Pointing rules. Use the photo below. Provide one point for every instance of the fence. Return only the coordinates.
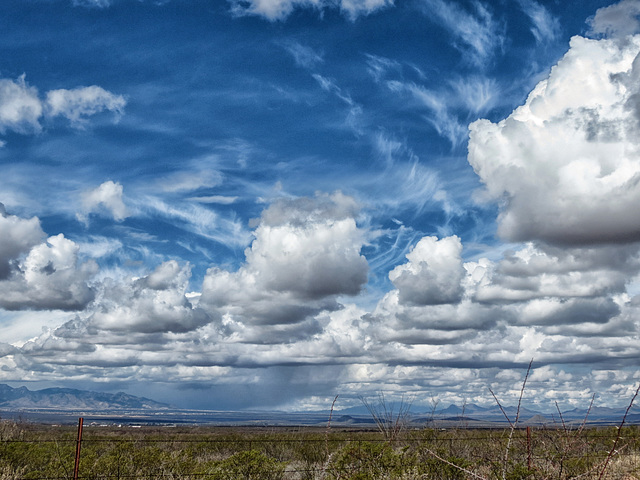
(92, 452)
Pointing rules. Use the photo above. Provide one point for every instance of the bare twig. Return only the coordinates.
(513, 424)
(584, 422)
(326, 433)
(501, 409)
(564, 425)
(389, 422)
(434, 405)
(615, 443)
(473, 474)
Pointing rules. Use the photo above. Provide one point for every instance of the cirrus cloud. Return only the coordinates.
(274, 10)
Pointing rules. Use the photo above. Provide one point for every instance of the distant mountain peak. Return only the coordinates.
(72, 399)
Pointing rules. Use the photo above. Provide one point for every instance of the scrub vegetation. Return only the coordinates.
(150, 452)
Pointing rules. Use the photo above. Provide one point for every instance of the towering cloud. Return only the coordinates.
(17, 236)
(433, 274)
(152, 304)
(49, 278)
(306, 252)
(565, 165)
(617, 20)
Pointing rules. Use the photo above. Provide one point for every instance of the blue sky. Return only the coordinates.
(265, 203)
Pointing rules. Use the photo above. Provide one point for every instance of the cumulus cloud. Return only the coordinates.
(22, 110)
(306, 251)
(107, 197)
(49, 278)
(17, 236)
(433, 274)
(79, 103)
(20, 106)
(274, 10)
(564, 166)
(155, 303)
(541, 272)
(432, 303)
(617, 20)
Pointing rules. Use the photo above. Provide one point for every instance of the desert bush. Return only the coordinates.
(10, 430)
(248, 465)
(314, 454)
(367, 461)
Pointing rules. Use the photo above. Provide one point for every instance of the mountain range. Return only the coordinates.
(71, 399)
(60, 404)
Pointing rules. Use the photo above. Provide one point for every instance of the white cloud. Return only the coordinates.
(17, 236)
(40, 276)
(545, 27)
(91, 3)
(197, 219)
(304, 56)
(219, 199)
(477, 32)
(81, 102)
(534, 273)
(280, 9)
(107, 196)
(378, 67)
(448, 107)
(22, 110)
(152, 304)
(440, 116)
(433, 274)
(20, 107)
(565, 164)
(49, 278)
(306, 251)
(475, 93)
(357, 8)
(189, 181)
(617, 20)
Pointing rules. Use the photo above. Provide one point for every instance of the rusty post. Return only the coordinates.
(78, 443)
(529, 448)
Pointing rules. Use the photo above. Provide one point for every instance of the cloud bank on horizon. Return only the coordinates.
(271, 202)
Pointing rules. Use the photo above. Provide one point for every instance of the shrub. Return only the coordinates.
(366, 461)
(248, 465)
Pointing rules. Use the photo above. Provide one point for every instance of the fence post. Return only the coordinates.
(78, 443)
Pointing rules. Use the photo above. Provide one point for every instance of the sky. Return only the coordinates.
(262, 204)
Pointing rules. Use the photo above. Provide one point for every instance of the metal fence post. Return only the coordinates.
(78, 443)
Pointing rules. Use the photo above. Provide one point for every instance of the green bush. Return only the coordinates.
(248, 465)
(366, 461)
